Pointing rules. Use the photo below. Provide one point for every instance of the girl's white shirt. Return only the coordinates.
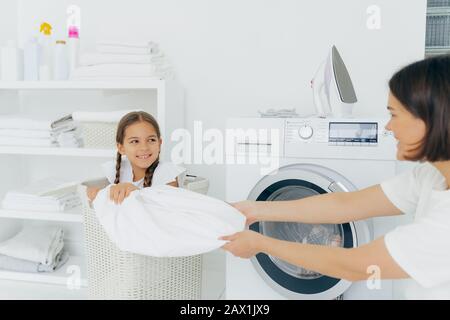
(166, 172)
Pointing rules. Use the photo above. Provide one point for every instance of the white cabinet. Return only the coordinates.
(21, 165)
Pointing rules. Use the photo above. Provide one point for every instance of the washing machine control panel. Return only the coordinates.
(342, 133)
(340, 138)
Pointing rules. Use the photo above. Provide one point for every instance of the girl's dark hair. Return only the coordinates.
(423, 88)
(125, 122)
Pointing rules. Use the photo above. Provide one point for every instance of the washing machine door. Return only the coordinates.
(296, 182)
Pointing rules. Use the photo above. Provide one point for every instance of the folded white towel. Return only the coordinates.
(164, 221)
(109, 117)
(50, 186)
(34, 207)
(33, 243)
(24, 133)
(126, 50)
(20, 265)
(98, 58)
(15, 200)
(35, 122)
(29, 142)
(119, 71)
(133, 44)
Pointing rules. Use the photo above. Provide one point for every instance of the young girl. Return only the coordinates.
(137, 164)
(419, 103)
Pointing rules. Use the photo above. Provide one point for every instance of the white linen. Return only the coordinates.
(165, 173)
(24, 133)
(33, 122)
(132, 44)
(108, 116)
(126, 49)
(99, 58)
(20, 265)
(12, 141)
(39, 244)
(50, 194)
(164, 221)
(421, 248)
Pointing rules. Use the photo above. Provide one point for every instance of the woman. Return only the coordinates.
(419, 103)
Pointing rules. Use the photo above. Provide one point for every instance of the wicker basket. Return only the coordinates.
(116, 274)
(98, 135)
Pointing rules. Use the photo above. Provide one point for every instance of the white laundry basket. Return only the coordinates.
(98, 135)
(116, 274)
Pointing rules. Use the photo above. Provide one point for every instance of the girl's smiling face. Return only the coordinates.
(141, 145)
(408, 130)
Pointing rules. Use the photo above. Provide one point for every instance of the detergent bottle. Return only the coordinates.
(46, 56)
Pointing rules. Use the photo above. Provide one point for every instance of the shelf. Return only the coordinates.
(436, 50)
(438, 11)
(73, 215)
(60, 276)
(71, 152)
(93, 85)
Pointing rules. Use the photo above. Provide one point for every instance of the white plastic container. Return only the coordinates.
(11, 62)
(73, 48)
(31, 60)
(61, 65)
(46, 54)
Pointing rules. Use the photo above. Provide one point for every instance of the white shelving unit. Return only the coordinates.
(163, 99)
(438, 28)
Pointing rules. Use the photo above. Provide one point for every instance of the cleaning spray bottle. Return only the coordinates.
(46, 56)
(73, 27)
(73, 47)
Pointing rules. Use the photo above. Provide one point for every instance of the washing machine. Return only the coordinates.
(275, 159)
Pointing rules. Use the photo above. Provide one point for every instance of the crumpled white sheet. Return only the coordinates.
(164, 221)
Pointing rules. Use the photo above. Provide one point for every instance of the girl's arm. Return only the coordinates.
(174, 183)
(351, 264)
(92, 192)
(337, 207)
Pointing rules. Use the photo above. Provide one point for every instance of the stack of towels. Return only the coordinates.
(121, 60)
(49, 195)
(39, 131)
(34, 249)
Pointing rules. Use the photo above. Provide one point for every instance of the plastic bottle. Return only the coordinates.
(46, 54)
(31, 60)
(11, 62)
(73, 47)
(61, 65)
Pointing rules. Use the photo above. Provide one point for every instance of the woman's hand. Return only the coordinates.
(244, 244)
(92, 192)
(248, 209)
(119, 192)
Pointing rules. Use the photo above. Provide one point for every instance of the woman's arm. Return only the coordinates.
(336, 207)
(351, 264)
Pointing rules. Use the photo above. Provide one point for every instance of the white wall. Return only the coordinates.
(237, 56)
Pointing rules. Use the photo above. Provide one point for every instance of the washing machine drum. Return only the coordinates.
(296, 182)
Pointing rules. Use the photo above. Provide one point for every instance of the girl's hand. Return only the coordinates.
(248, 209)
(244, 244)
(119, 192)
(92, 192)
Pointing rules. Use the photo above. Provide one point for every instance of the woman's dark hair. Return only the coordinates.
(423, 88)
(125, 122)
